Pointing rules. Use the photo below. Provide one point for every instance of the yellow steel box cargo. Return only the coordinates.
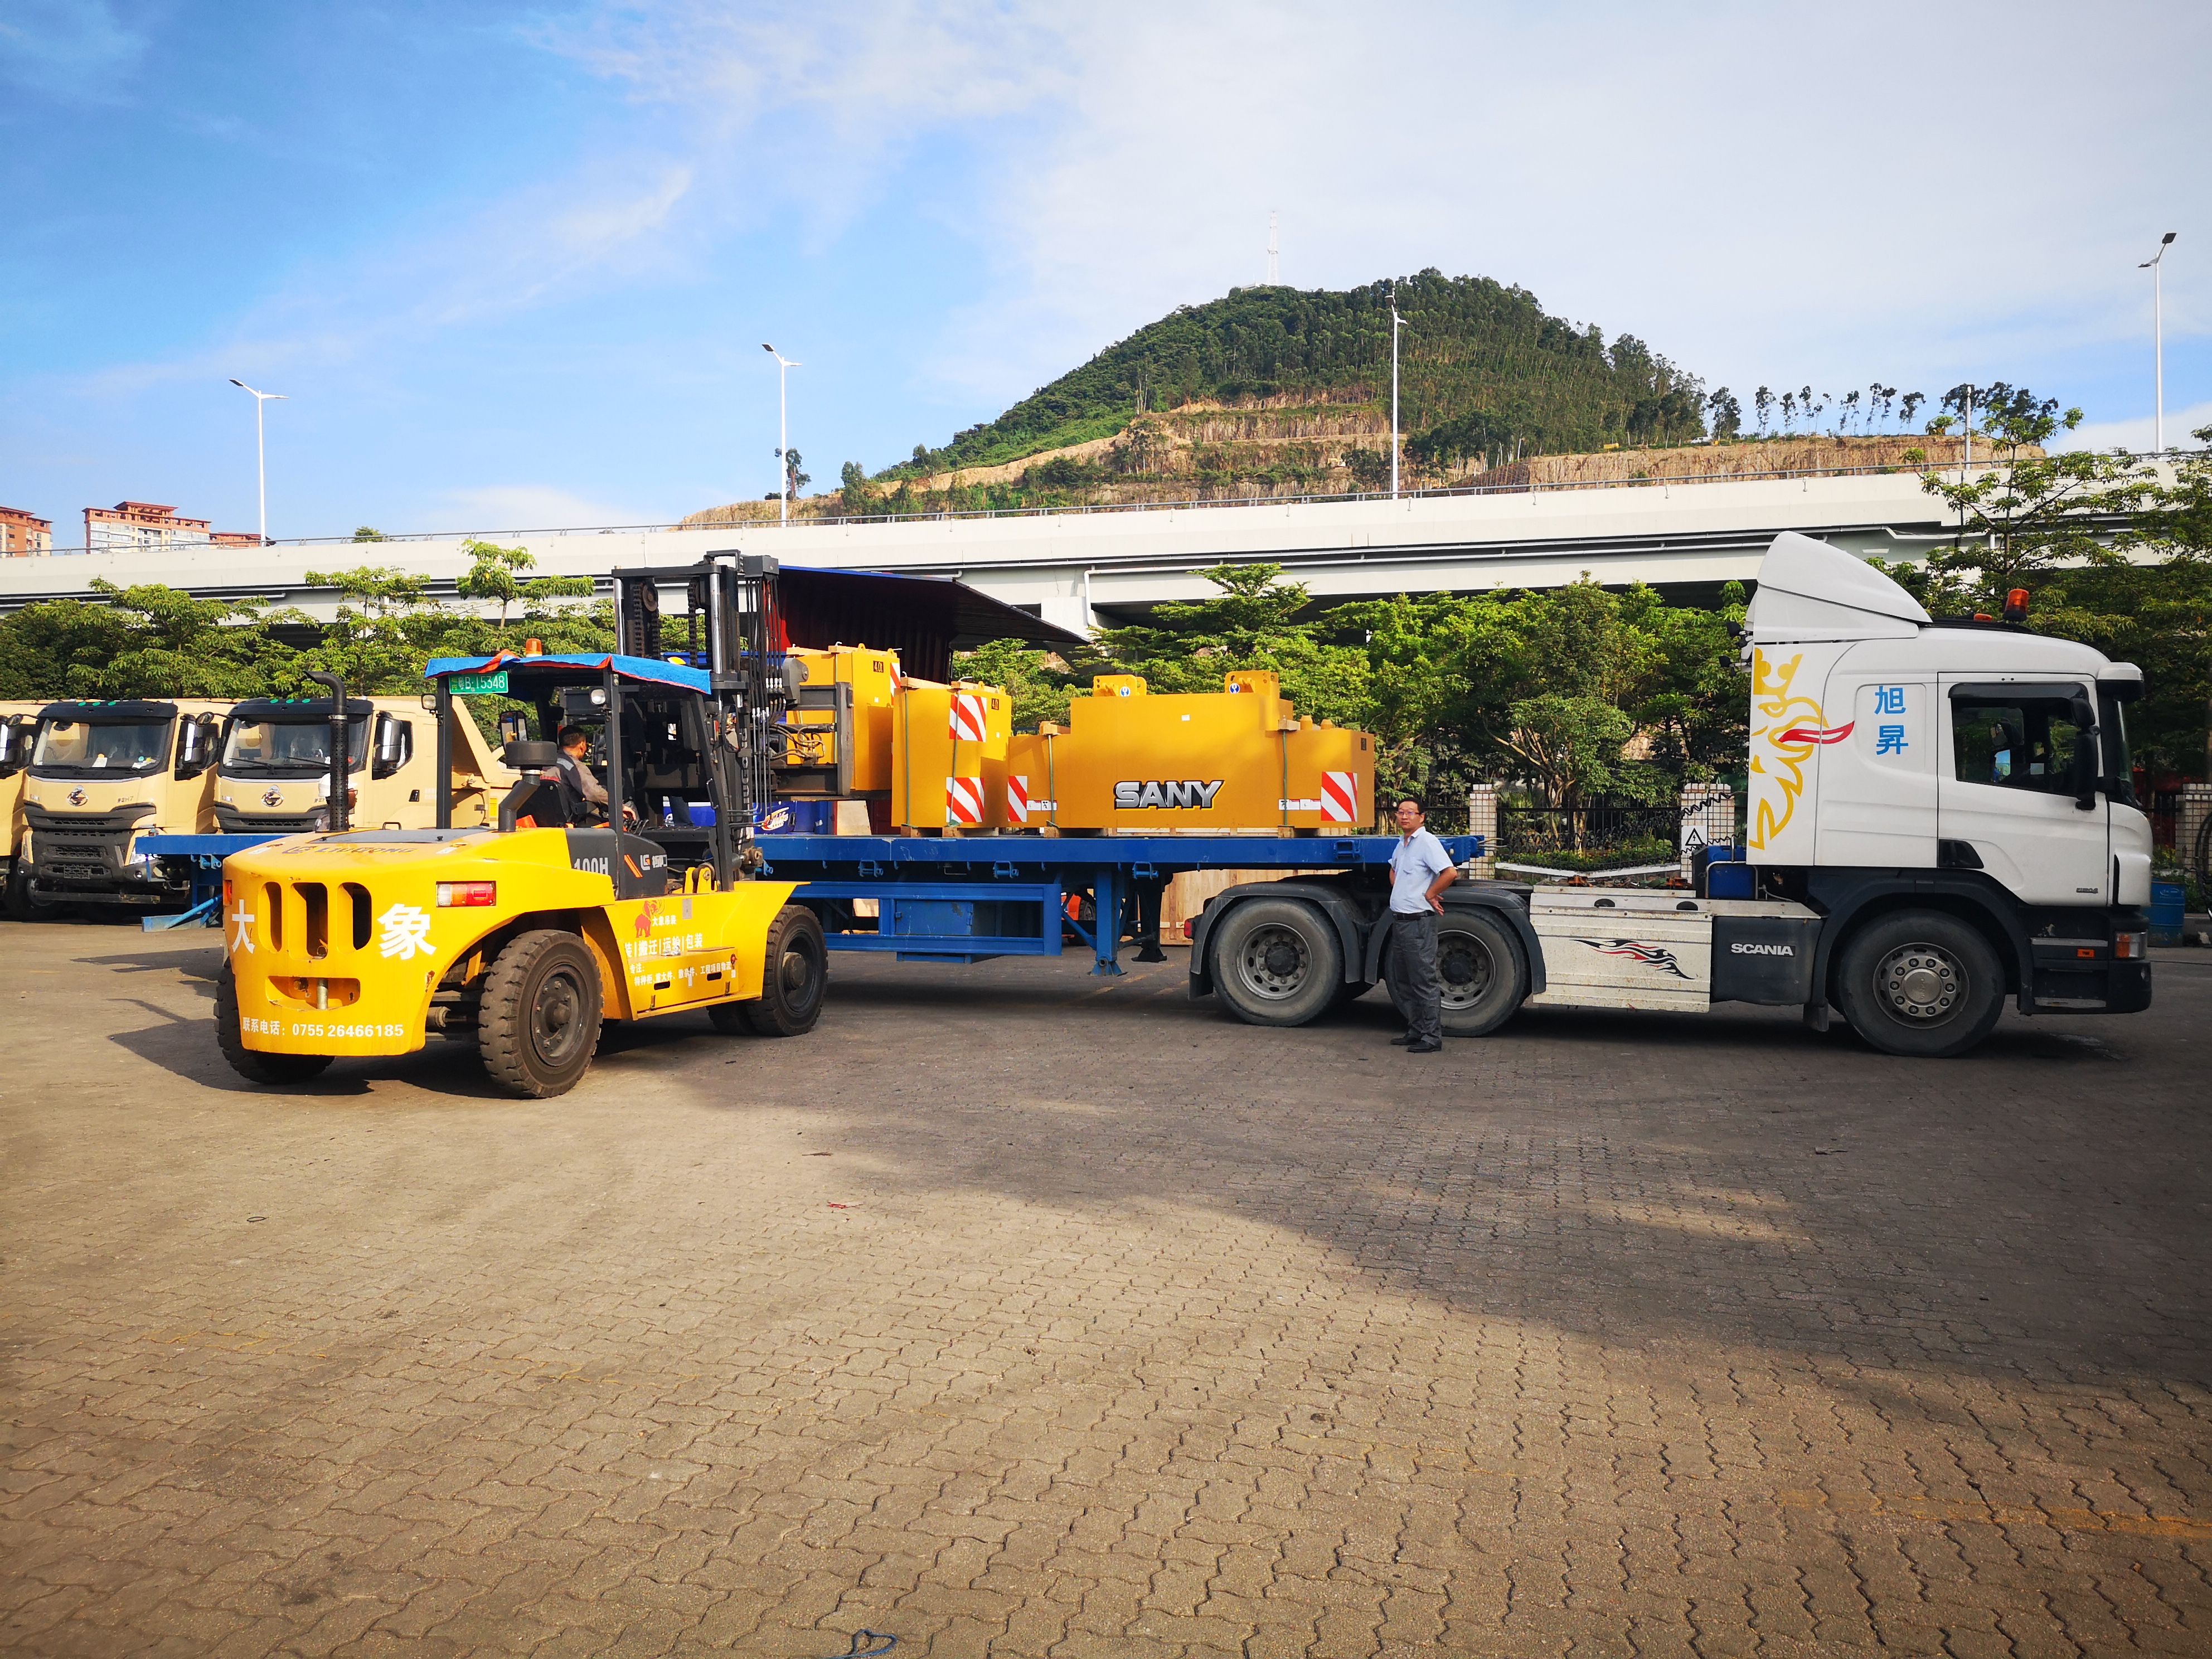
(1239, 758)
(950, 768)
(840, 722)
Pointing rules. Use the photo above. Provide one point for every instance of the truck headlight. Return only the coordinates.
(2131, 946)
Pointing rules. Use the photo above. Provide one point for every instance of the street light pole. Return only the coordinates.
(261, 400)
(2154, 265)
(1396, 322)
(782, 432)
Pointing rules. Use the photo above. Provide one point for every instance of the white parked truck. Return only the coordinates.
(1940, 817)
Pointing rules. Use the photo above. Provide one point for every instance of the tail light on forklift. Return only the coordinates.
(1190, 928)
(2130, 947)
(229, 893)
(466, 894)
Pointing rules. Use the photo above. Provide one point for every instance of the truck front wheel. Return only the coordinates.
(1277, 962)
(538, 1023)
(1479, 965)
(1920, 982)
(252, 1064)
(794, 984)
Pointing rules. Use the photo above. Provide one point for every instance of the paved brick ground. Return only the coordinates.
(1017, 1313)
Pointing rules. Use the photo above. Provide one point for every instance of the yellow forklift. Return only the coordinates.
(523, 935)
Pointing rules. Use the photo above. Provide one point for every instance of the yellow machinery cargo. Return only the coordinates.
(1217, 762)
(839, 728)
(949, 769)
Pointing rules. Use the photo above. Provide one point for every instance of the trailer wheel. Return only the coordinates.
(251, 1063)
(1920, 982)
(1484, 977)
(1277, 962)
(794, 986)
(538, 1023)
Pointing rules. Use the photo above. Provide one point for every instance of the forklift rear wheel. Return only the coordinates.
(1921, 983)
(539, 1022)
(793, 988)
(1480, 967)
(251, 1063)
(1277, 962)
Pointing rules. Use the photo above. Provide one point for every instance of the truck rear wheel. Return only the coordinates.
(1479, 963)
(538, 1023)
(795, 983)
(1920, 982)
(251, 1063)
(1277, 962)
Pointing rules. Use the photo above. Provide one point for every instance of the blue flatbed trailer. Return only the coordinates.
(962, 899)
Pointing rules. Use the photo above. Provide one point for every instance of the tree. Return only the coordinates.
(494, 574)
(367, 533)
(1253, 623)
(1726, 414)
(1370, 469)
(1788, 411)
(1909, 407)
(852, 481)
(1763, 401)
(793, 479)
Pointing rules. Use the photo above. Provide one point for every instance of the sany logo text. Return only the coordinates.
(1129, 796)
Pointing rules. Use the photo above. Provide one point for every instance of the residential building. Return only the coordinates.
(149, 527)
(21, 533)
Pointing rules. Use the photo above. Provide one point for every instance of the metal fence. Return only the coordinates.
(1595, 827)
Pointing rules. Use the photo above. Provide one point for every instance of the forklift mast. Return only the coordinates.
(732, 628)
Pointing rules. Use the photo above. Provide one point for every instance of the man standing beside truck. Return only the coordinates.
(1421, 870)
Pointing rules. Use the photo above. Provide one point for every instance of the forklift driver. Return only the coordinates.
(589, 794)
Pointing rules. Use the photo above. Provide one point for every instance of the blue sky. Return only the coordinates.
(511, 266)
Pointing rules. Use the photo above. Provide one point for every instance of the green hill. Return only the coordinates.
(1485, 370)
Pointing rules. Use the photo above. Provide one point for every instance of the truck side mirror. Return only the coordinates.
(2086, 740)
(15, 747)
(513, 727)
(393, 746)
(195, 741)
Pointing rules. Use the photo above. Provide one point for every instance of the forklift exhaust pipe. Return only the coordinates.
(341, 820)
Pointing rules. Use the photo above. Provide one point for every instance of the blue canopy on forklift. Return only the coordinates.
(650, 670)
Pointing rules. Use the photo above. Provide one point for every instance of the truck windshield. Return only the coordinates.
(90, 748)
(295, 747)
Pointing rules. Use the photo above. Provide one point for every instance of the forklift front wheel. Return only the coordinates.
(539, 1022)
(793, 988)
(251, 1063)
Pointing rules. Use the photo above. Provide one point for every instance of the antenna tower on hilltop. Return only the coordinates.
(1274, 274)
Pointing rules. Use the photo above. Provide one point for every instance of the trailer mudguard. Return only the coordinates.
(1505, 900)
(1333, 901)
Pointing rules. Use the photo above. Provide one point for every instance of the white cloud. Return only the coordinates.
(2137, 437)
(73, 48)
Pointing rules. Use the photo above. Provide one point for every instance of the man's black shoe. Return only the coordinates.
(1424, 1047)
(1404, 1041)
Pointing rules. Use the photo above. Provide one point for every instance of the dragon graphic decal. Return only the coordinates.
(1651, 955)
(1787, 728)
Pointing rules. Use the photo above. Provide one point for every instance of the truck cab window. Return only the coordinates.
(2028, 744)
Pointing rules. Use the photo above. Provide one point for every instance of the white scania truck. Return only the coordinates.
(1939, 817)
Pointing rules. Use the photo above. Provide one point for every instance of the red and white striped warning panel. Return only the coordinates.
(1340, 797)
(1018, 798)
(964, 800)
(967, 717)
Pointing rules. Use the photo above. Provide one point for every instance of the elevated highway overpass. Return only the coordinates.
(1110, 565)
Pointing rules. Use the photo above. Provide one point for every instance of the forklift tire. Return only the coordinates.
(538, 1024)
(251, 1063)
(1919, 983)
(1277, 962)
(1479, 963)
(793, 988)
